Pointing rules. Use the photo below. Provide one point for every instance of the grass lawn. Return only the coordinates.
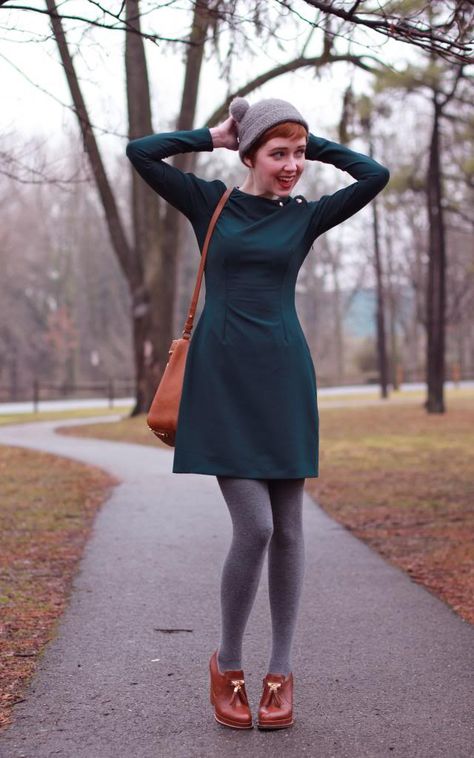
(416, 397)
(47, 509)
(400, 479)
(27, 418)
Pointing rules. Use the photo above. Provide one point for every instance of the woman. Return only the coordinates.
(248, 411)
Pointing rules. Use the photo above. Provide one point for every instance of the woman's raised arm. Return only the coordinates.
(371, 176)
(184, 190)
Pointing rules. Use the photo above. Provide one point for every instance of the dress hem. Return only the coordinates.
(253, 475)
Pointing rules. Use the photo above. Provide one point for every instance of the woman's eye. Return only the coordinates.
(280, 152)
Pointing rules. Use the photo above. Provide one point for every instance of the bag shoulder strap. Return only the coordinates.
(192, 310)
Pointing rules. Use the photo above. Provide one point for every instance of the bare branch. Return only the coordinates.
(414, 31)
(43, 179)
(449, 95)
(293, 65)
(116, 228)
(16, 169)
(68, 106)
(125, 26)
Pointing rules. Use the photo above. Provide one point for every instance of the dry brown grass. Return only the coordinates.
(402, 480)
(129, 429)
(47, 509)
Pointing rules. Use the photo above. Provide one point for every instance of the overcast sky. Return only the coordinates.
(26, 110)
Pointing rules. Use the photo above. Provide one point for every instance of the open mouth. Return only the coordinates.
(285, 182)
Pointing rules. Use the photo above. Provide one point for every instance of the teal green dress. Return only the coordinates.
(249, 401)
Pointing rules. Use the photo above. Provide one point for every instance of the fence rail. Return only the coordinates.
(111, 389)
(39, 391)
(403, 374)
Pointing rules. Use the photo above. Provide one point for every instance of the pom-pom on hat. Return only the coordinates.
(253, 120)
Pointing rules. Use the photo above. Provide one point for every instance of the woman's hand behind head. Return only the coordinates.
(225, 135)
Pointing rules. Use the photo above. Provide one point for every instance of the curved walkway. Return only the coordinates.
(382, 667)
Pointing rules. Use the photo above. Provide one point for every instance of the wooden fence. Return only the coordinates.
(41, 391)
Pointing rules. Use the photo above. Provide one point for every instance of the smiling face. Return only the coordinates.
(276, 165)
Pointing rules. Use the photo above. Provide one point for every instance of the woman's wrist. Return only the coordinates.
(216, 136)
(314, 146)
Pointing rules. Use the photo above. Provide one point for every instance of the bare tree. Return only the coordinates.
(358, 116)
(396, 19)
(436, 284)
(410, 23)
(150, 262)
(63, 301)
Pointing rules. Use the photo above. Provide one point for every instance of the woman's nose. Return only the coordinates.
(291, 165)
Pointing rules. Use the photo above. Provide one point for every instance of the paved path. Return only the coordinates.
(382, 667)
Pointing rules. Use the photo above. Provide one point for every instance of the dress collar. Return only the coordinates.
(275, 201)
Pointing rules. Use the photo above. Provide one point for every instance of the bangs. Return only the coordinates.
(288, 129)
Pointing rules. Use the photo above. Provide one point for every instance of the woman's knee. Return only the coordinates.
(288, 535)
(258, 535)
(263, 533)
(250, 508)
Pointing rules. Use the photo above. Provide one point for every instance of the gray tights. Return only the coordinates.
(265, 513)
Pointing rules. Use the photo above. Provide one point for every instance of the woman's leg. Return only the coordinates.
(286, 565)
(250, 509)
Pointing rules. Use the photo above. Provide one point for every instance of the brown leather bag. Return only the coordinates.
(162, 417)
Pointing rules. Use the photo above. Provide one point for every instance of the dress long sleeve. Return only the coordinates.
(371, 178)
(184, 190)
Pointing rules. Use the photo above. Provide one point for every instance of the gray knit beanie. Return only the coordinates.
(253, 120)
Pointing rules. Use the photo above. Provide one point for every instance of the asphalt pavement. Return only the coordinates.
(381, 666)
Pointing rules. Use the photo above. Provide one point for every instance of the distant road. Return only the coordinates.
(64, 405)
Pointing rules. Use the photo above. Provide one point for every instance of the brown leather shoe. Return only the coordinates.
(275, 710)
(228, 696)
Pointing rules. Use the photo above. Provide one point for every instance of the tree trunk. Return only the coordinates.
(393, 362)
(435, 297)
(115, 227)
(380, 317)
(338, 322)
(151, 318)
(174, 222)
(131, 261)
(380, 307)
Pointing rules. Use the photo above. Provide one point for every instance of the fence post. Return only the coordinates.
(111, 393)
(456, 373)
(36, 392)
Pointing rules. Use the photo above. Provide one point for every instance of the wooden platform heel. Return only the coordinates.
(228, 696)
